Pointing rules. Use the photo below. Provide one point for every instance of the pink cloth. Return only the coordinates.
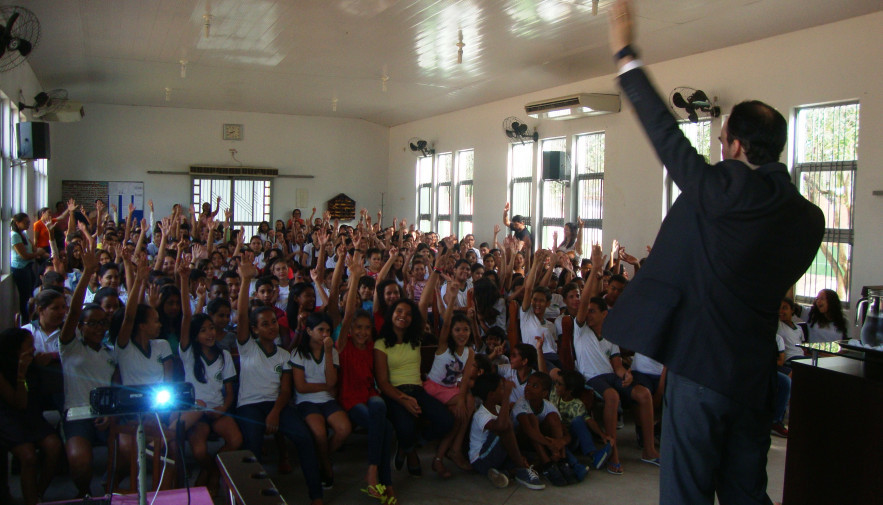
(441, 393)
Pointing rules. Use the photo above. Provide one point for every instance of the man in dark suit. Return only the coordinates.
(704, 304)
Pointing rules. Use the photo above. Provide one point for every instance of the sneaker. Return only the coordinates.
(568, 472)
(599, 457)
(779, 430)
(528, 478)
(328, 483)
(553, 475)
(580, 470)
(497, 478)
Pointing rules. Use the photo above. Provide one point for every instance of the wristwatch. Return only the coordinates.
(628, 50)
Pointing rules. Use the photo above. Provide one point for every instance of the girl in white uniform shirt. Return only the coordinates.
(211, 372)
(265, 387)
(315, 365)
(142, 357)
(87, 364)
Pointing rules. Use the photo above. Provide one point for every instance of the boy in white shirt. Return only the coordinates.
(492, 442)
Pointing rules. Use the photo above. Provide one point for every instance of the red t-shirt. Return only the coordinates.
(356, 374)
(41, 234)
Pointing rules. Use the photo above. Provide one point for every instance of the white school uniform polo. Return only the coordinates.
(314, 373)
(531, 327)
(260, 373)
(592, 355)
(478, 432)
(43, 341)
(510, 374)
(84, 370)
(646, 365)
(522, 406)
(217, 374)
(143, 366)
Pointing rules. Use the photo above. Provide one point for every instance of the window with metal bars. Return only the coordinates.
(424, 194)
(443, 195)
(699, 135)
(248, 199)
(521, 180)
(825, 164)
(552, 199)
(589, 187)
(465, 166)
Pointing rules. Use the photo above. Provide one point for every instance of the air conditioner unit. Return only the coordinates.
(69, 112)
(574, 106)
(232, 171)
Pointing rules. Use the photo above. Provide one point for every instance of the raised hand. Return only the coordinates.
(90, 260)
(228, 214)
(506, 207)
(247, 270)
(153, 295)
(131, 208)
(71, 205)
(200, 251)
(496, 229)
(150, 204)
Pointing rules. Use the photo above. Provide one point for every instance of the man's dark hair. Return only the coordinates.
(602, 305)
(761, 129)
(485, 384)
(619, 278)
(517, 219)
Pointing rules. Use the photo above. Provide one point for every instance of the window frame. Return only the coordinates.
(449, 184)
(516, 207)
(427, 215)
(670, 190)
(251, 226)
(593, 228)
(837, 236)
(461, 218)
(554, 223)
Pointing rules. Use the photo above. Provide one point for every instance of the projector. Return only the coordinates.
(146, 398)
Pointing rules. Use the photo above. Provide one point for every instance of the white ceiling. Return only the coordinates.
(298, 56)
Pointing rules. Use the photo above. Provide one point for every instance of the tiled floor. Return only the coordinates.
(637, 485)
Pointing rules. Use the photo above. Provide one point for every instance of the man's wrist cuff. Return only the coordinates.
(628, 50)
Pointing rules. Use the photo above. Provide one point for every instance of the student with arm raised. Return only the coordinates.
(265, 386)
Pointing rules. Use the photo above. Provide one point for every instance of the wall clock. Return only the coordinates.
(232, 132)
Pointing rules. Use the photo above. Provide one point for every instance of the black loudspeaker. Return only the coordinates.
(555, 166)
(33, 140)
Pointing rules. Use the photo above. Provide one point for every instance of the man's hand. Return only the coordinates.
(621, 27)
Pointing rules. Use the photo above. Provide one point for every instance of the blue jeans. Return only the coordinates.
(711, 444)
(372, 415)
(439, 418)
(582, 437)
(783, 395)
(251, 419)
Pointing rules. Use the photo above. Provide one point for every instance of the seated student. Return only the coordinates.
(649, 373)
(461, 277)
(211, 371)
(496, 346)
(492, 443)
(219, 310)
(108, 277)
(366, 292)
(265, 292)
(477, 272)
(109, 300)
(87, 363)
(265, 387)
(448, 379)
(615, 286)
(359, 395)
(791, 334)
(143, 358)
(533, 313)
(599, 361)
(523, 361)
(22, 427)
(577, 420)
(825, 321)
(783, 390)
(314, 364)
(538, 422)
(490, 307)
(375, 263)
(51, 308)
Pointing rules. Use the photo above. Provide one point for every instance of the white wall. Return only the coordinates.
(121, 143)
(18, 84)
(839, 61)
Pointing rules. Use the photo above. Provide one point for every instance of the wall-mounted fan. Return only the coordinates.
(19, 34)
(420, 147)
(516, 130)
(689, 103)
(46, 102)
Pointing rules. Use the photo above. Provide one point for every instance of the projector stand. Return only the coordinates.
(142, 462)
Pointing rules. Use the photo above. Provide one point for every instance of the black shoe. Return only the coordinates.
(567, 471)
(399, 459)
(553, 475)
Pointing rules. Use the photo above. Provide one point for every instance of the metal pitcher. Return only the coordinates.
(870, 310)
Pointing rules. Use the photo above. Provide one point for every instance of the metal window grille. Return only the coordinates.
(424, 194)
(465, 186)
(248, 199)
(825, 165)
(443, 192)
(589, 187)
(699, 134)
(521, 180)
(552, 199)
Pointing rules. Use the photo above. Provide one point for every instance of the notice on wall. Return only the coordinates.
(121, 194)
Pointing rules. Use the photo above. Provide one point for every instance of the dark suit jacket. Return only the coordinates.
(706, 301)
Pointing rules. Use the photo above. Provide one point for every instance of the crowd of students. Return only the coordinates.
(494, 352)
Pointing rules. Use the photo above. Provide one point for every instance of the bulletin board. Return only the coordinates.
(119, 193)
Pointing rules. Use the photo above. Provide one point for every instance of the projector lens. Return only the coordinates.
(162, 398)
